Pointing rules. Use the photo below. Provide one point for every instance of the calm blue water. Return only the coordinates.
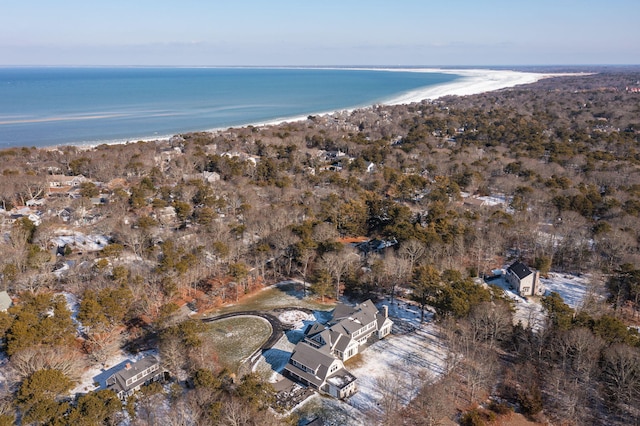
(50, 106)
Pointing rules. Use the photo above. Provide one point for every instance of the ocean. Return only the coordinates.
(53, 106)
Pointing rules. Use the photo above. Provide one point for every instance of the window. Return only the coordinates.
(525, 289)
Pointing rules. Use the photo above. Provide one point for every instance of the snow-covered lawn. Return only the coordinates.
(572, 288)
(413, 352)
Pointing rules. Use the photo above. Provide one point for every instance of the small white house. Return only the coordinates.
(5, 301)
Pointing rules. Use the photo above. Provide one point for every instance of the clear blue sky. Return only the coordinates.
(329, 32)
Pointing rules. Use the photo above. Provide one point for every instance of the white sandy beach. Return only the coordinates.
(473, 81)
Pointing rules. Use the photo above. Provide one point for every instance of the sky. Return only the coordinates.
(328, 32)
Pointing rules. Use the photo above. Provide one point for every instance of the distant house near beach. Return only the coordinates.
(62, 181)
(375, 245)
(524, 280)
(133, 376)
(205, 176)
(317, 361)
(5, 301)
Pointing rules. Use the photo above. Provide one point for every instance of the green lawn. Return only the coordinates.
(235, 339)
(282, 296)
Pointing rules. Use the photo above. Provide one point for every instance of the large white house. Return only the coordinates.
(317, 361)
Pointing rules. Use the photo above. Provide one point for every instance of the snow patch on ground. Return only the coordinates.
(3, 363)
(294, 318)
(273, 360)
(73, 304)
(333, 412)
(493, 200)
(572, 288)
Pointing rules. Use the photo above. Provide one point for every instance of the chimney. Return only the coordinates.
(127, 366)
(385, 309)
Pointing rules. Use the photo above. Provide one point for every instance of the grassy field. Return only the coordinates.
(284, 295)
(235, 339)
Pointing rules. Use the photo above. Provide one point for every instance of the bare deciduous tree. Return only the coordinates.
(338, 263)
(492, 322)
(398, 270)
(413, 251)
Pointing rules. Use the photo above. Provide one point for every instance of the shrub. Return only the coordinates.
(500, 408)
(472, 418)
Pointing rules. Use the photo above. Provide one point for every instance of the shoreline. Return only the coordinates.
(471, 82)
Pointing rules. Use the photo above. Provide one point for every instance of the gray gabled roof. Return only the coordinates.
(382, 320)
(333, 339)
(342, 311)
(118, 380)
(342, 343)
(314, 329)
(311, 357)
(346, 326)
(520, 269)
(363, 313)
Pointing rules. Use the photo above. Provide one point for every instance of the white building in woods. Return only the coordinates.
(317, 361)
(524, 280)
(5, 301)
(132, 376)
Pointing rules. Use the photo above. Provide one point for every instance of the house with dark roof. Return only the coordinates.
(317, 361)
(133, 376)
(524, 280)
(375, 245)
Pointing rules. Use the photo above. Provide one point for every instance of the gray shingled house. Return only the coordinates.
(128, 380)
(316, 367)
(317, 361)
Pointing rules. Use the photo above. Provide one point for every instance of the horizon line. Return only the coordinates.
(310, 66)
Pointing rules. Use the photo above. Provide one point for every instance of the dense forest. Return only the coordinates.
(213, 216)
